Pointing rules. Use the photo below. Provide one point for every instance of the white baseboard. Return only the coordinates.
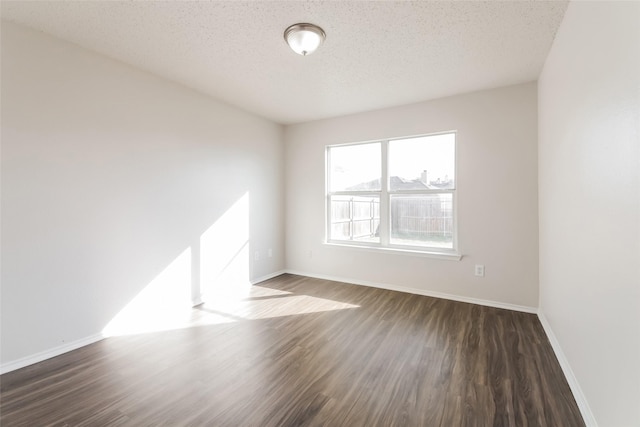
(267, 277)
(488, 303)
(578, 395)
(48, 354)
(581, 401)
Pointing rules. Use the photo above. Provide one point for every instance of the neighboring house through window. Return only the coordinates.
(395, 193)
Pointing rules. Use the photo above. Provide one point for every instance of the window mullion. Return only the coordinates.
(424, 214)
(327, 184)
(385, 212)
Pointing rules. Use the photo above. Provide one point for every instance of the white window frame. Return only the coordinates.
(384, 195)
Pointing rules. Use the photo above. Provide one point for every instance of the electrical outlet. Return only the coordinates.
(479, 270)
(270, 253)
(256, 256)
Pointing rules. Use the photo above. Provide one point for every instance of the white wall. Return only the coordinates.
(497, 196)
(589, 184)
(109, 174)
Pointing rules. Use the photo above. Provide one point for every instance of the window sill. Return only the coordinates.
(450, 256)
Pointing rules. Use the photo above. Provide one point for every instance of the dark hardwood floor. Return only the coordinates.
(306, 352)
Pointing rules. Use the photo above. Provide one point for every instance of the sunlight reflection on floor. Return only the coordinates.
(257, 302)
(264, 307)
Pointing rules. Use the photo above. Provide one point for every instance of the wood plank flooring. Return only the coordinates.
(298, 351)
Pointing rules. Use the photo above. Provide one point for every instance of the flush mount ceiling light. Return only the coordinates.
(304, 38)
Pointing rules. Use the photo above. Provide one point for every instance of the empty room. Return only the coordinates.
(310, 213)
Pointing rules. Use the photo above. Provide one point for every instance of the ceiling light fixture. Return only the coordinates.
(304, 39)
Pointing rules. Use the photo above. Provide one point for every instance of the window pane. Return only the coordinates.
(355, 218)
(355, 167)
(422, 220)
(422, 163)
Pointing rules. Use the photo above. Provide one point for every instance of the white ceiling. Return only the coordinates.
(376, 55)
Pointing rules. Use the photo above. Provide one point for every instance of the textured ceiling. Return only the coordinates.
(377, 54)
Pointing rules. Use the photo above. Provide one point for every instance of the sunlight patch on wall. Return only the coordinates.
(217, 264)
(163, 304)
(215, 268)
(224, 253)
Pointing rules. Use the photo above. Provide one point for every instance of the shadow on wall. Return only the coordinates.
(217, 264)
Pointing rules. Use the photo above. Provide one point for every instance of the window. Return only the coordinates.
(397, 193)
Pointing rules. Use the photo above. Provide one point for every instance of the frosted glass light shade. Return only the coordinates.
(304, 38)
